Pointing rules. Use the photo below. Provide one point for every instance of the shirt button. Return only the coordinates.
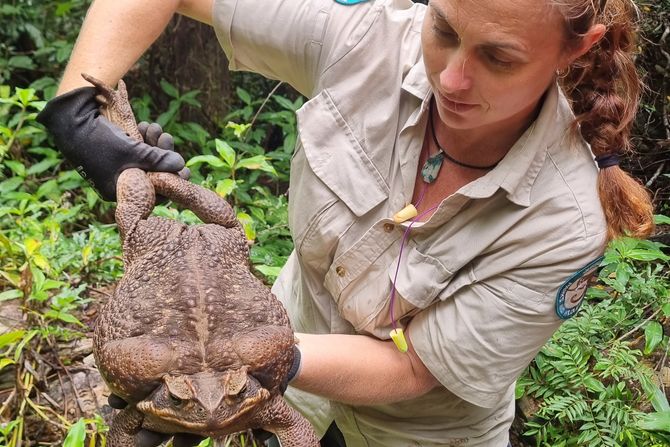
(388, 227)
(340, 271)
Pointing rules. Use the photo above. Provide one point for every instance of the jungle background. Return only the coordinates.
(603, 380)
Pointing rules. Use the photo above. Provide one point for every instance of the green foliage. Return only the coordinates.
(596, 378)
(250, 176)
(78, 432)
(36, 40)
(49, 256)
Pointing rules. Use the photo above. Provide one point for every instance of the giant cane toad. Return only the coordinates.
(191, 339)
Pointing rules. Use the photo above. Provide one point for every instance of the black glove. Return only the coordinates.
(148, 438)
(153, 135)
(293, 371)
(99, 149)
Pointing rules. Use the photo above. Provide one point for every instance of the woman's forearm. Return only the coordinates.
(360, 370)
(116, 33)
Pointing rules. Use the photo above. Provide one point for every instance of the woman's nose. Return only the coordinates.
(455, 76)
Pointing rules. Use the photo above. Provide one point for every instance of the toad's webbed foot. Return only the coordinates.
(292, 429)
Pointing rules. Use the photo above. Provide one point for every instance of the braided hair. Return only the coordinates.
(604, 88)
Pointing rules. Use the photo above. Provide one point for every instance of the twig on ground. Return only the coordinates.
(656, 175)
(660, 366)
(8, 401)
(636, 328)
(101, 292)
(62, 366)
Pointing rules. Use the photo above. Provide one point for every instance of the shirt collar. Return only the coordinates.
(519, 169)
(416, 81)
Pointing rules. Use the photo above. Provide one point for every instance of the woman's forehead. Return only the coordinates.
(520, 22)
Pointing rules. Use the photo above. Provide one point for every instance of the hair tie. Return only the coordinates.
(607, 160)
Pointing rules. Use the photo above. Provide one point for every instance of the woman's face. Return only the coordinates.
(489, 62)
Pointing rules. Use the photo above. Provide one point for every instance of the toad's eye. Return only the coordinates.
(174, 400)
(242, 390)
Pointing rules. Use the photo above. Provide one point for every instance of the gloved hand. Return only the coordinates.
(148, 438)
(99, 149)
(153, 135)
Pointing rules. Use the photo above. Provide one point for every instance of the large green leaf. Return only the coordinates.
(21, 62)
(226, 152)
(225, 187)
(243, 95)
(659, 421)
(10, 337)
(168, 88)
(76, 436)
(661, 219)
(207, 159)
(10, 295)
(653, 336)
(256, 162)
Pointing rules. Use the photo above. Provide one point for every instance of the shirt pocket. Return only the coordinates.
(333, 181)
(366, 301)
(420, 277)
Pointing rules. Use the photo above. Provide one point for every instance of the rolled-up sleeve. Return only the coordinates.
(477, 341)
(289, 40)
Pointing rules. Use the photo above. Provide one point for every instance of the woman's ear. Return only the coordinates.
(592, 36)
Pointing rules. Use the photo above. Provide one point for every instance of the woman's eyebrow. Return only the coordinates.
(493, 44)
(440, 14)
(504, 46)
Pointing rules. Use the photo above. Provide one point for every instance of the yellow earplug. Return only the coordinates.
(398, 337)
(405, 214)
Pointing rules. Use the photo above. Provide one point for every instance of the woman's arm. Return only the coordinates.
(116, 33)
(360, 370)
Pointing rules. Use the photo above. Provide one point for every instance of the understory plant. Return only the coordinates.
(600, 381)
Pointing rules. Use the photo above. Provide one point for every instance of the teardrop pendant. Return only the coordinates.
(431, 168)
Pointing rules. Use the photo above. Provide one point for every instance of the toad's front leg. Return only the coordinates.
(292, 429)
(125, 426)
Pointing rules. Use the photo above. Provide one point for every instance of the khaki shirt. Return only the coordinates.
(477, 283)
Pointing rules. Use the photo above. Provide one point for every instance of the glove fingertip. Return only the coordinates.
(115, 401)
(171, 162)
(154, 132)
(147, 438)
(142, 126)
(186, 440)
(185, 173)
(165, 141)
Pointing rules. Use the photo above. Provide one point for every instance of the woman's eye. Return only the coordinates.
(501, 63)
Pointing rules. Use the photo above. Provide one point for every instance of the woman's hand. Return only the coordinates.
(99, 149)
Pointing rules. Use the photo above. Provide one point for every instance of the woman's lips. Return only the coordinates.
(454, 106)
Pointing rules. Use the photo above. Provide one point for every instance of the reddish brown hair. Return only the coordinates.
(604, 88)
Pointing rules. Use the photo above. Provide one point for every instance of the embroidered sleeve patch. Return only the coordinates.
(350, 2)
(571, 294)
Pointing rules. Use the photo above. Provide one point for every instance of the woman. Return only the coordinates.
(441, 187)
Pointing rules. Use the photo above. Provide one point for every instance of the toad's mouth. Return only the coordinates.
(224, 420)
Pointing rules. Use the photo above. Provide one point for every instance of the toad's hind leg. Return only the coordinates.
(136, 198)
(133, 367)
(206, 204)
